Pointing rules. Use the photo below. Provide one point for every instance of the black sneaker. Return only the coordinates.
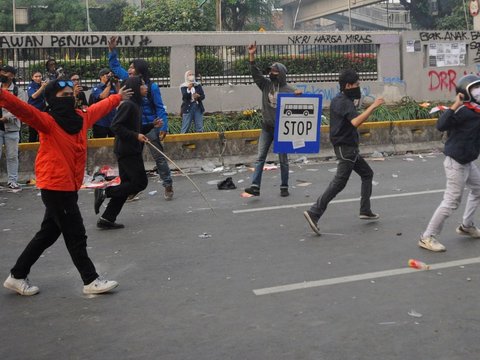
(99, 199)
(284, 192)
(226, 184)
(312, 222)
(108, 225)
(253, 190)
(369, 216)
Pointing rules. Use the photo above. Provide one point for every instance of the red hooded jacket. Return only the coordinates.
(61, 157)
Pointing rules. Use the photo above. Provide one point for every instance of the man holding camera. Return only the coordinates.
(108, 85)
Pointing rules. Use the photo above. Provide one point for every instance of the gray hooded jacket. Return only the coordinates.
(270, 89)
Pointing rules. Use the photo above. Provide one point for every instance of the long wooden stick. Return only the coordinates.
(188, 177)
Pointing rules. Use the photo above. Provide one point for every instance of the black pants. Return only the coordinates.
(62, 216)
(101, 132)
(133, 180)
(349, 160)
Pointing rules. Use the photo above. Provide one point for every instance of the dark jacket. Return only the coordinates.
(126, 126)
(270, 90)
(463, 130)
(342, 112)
(187, 99)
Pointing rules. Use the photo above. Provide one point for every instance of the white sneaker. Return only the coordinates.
(99, 286)
(472, 231)
(21, 286)
(13, 187)
(430, 243)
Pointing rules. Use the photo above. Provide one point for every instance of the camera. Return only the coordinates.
(113, 80)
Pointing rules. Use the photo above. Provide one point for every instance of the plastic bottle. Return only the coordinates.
(417, 264)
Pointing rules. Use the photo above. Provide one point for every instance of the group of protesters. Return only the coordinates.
(141, 118)
(59, 116)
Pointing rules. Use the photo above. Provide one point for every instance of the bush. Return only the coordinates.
(305, 64)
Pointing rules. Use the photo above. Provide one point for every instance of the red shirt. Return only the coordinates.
(61, 157)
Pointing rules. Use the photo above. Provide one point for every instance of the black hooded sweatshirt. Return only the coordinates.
(270, 89)
(127, 123)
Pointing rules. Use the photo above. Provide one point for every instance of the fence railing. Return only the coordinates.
(216, 65)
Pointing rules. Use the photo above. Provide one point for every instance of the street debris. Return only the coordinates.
(417, 264)
(415, 314)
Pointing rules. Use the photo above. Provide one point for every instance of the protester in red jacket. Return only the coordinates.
(59, 169)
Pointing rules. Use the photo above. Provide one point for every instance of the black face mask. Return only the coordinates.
(3, 79)
(273, 77)
(63, 111)
(353, 93)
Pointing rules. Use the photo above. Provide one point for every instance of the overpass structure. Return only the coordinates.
(298, 11)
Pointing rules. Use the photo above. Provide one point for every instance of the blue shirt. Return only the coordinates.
(106, 121)
(152, 105)
(39, 102)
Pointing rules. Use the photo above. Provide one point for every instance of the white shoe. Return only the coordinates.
(472, 231)
(430, 243)
(21, 286)
(99, 286)
(13, 187)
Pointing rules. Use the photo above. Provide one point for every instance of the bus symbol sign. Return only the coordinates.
(297, 124)
(298, 109)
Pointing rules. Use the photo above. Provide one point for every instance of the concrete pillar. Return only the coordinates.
(182, 58)
(476, 22)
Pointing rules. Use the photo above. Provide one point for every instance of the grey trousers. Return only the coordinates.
(458, 176)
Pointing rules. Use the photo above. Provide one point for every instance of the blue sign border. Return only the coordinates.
(286, 147)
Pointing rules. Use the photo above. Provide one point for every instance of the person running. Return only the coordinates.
(128, 147)
(462, 124)
(152, 109)
(344, 121)
(59, 169)
(276, 83)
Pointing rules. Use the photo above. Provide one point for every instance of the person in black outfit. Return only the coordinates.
(344, 120)
(128, 146)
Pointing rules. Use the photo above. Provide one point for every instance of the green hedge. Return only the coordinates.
(304, 64)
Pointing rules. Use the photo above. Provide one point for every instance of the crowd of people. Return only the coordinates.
(133, 112)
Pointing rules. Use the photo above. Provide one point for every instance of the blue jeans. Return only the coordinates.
(10, 139)
(162, 164)
(264, 142)
(194, 114)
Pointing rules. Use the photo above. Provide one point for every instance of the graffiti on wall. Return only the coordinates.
(470, 37)
(328, 93)
(36, 41)
(446, 80)
(330, 39)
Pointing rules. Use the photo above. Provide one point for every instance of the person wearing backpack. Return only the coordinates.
(152, 109)
(10, 129)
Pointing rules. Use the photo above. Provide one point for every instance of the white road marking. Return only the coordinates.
(359, 277)
(338, 201)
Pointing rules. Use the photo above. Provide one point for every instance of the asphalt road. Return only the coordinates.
(259, 284)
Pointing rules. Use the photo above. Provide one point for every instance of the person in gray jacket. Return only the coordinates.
(10, 129)
(276, 83)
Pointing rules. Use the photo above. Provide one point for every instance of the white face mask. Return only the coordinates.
(476, 95)
(191, 78)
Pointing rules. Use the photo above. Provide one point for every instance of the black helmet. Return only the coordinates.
(464, 85)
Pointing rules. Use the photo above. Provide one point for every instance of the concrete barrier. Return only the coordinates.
(233, 147)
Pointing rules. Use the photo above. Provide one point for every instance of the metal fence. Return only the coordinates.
(216, 65)
(87, 62)
(219, 65)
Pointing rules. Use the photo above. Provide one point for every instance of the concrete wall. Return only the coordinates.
(233, 97)
(424, 76)
(400, 72)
